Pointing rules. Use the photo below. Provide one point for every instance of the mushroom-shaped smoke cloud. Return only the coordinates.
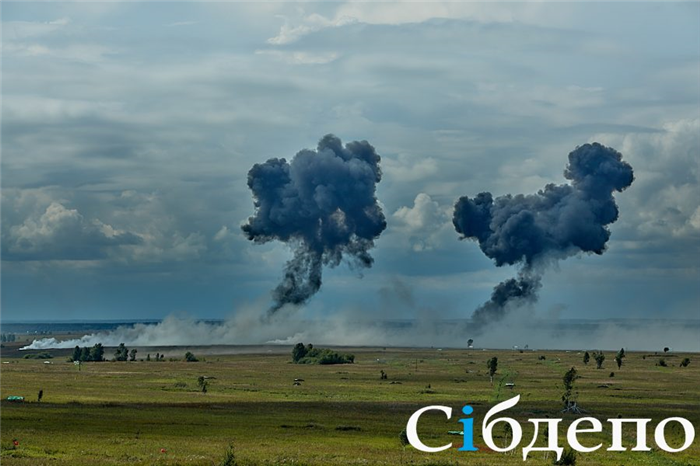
(557, 222)
(323, 203)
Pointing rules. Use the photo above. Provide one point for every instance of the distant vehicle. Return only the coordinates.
(18, 399)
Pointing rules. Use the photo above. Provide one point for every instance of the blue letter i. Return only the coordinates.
(468, 432)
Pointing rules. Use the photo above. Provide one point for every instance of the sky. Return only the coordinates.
(128, 130)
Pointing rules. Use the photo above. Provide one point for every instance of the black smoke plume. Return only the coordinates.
(557, 222)
(323, 204)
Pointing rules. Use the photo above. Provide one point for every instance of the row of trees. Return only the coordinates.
(309, 355)
(599, 358)
(122, 353)
(96, 353)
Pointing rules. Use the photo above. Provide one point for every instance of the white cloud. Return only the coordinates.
(60, 233)
(663, 201)
(407, 169)
(291, 33)
(424, 226)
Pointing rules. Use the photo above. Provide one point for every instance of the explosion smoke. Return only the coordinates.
(557, 222)
(323, 204)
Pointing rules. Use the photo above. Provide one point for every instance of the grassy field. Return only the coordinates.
(153, 413)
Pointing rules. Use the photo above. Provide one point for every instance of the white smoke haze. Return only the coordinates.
(346, 329)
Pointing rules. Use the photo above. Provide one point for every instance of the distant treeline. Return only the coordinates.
(7, 337)
(309, 355)
(122, 353)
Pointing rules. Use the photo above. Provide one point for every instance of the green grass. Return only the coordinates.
(124, 413)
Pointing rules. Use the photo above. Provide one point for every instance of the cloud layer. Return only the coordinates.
(128, 136)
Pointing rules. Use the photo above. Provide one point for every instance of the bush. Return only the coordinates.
(313, 355)
(599, 359)
(229, 457)
(568, 458)
(42, 355)
(189, 357)
(202, 383)
(662, 363)
(685, 362)
(348, 428)
(403, 438)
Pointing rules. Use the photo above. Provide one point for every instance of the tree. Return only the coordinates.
(76, 354)
(569, 378)
(619, 356)
(132, 354)
(667, 349)
(298, 352)
(586, 358)
(122, 353)
(148, 357)
(492, 365)
(599, 359)
(85, 354)
(189, 357)
(568, 458)
(685, 362)
(97, 353)
(470, 343)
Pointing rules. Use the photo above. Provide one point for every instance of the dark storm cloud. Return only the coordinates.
(557, 222)
(322, 204)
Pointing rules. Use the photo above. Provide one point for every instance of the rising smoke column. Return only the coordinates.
(557, 222)
(322, 204)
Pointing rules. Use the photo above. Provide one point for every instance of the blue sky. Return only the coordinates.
(128, 130)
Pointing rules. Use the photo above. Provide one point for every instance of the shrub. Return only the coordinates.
(320, 356)
(403, 438)
(348, 428)
(662, 363)
(42, 355)
(685, 362)
(599, 359)
(568, 458)
(189, 357)
(202, 383)
(229, 456)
